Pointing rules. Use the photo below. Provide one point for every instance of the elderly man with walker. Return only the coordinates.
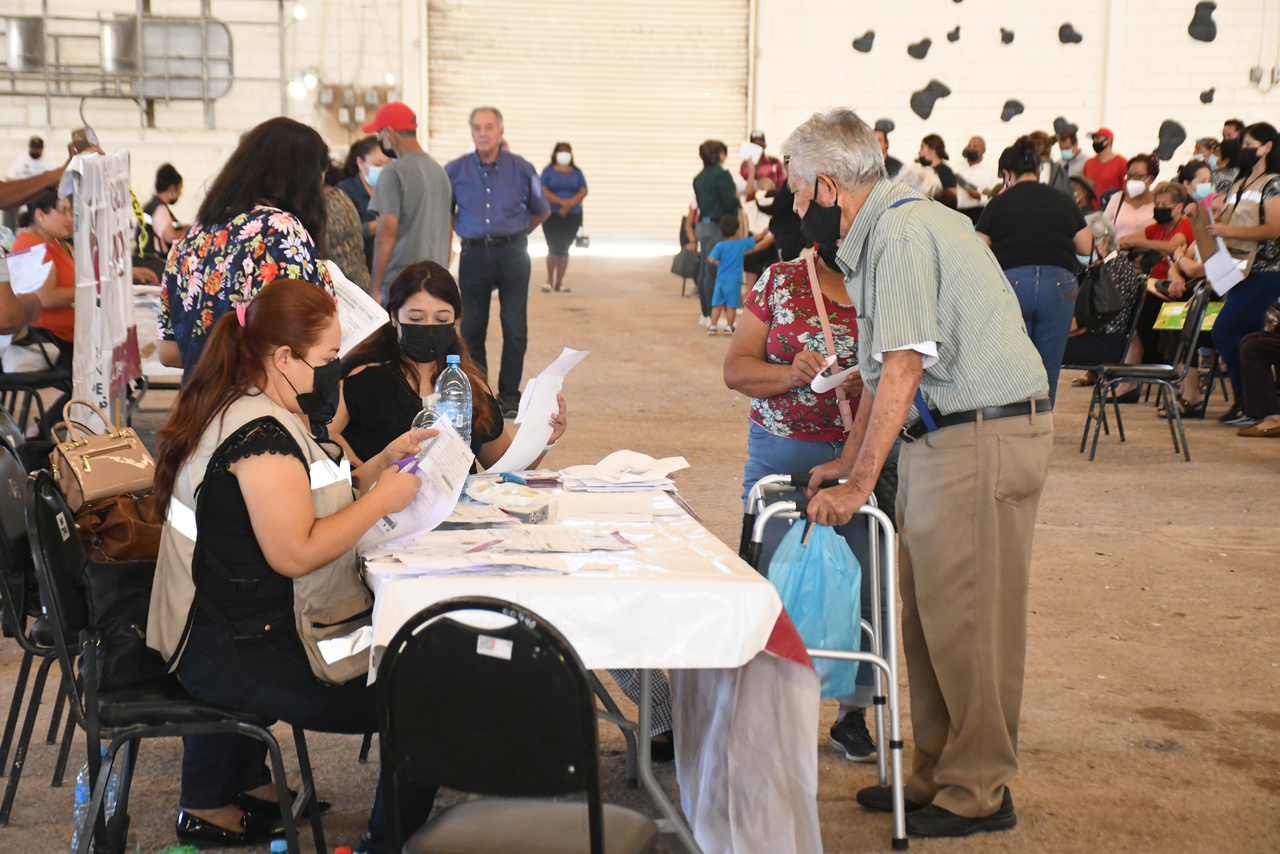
(944, 351)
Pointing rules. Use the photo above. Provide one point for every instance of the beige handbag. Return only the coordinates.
(92, 467)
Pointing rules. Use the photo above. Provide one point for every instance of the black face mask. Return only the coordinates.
(821, 224)
(923, 161)
(424, 343)
(1099, 146)
(324, 385)
(970, 155)
(1247, 160)
(1164, 216)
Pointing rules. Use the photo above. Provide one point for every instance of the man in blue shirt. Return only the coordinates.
(497, 201)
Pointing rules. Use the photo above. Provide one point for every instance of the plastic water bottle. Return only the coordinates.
(453, 397)
(427, 417)
(82, 798)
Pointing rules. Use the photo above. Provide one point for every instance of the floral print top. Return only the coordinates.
(783, 299)
(212, 263)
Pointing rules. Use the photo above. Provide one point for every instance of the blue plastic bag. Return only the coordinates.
(820, 583)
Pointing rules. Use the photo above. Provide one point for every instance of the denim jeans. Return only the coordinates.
(1244, 311)
(1048, 299)
(770, 454)
(708, 234)
(271, 678)
(507, 268)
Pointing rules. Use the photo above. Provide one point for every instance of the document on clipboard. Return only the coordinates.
(1222, 271)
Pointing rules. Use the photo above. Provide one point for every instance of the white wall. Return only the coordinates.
(805, 62)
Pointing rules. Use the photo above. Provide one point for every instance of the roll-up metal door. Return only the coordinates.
(634, 87)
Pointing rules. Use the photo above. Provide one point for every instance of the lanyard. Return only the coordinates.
(842, 399)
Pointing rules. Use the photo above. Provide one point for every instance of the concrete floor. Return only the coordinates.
(1151, 720)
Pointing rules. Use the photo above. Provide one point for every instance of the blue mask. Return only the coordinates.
(1068, 154)
(1083, 259)
(1203, 191)
(1212, 162)
(372, 177)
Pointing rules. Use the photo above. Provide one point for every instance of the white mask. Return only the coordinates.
(564, 158)
(1135, 188)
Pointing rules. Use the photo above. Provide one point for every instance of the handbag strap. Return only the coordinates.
(71, 430)
(842, 399)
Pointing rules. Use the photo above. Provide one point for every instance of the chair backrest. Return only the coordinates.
(16, 568)
(444, 710)
(1191, 323)
(59, 559)
(9, 430)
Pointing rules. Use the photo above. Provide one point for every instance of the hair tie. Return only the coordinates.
(242, 309)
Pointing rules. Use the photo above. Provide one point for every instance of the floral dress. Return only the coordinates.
(783, 300)
(210, 264)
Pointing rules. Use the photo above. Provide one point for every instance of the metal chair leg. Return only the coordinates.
(365, 744)
(1171, 403)
(1177, 415)
(1097, 426)
(1115, 404)
(15, 706)
(282, 792)
(610, 707)
(117, 834)
(307, 800)
(56, 718)
(24, 739)
(60, 768)
(1088, 418)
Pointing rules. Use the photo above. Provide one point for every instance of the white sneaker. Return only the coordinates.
(704, 321)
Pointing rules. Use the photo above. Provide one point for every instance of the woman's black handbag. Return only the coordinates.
(1098, 301)
(118, 595)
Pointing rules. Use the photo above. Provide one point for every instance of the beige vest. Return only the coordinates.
(1244, 211)
(330, 602)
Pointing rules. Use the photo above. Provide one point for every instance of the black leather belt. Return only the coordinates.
(492, 240)
(989, 413)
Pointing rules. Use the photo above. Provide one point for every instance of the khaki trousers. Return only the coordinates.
(967, 499)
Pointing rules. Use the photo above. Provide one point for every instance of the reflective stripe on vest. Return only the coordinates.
(182, 519)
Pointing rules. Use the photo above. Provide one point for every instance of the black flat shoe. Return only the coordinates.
(1128, 396)
(193, 830)
(936, 822)
(663, 751)
(880, 799)
(249, 803)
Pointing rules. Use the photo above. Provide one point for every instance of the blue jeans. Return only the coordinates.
(770, 454)
(507, 268)
(1048, 299)
(708, 234)
(272, 678)
(1244, 311)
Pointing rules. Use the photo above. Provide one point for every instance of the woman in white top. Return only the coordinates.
(1133, 209)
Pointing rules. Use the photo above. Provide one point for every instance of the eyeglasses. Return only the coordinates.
(1133, 177)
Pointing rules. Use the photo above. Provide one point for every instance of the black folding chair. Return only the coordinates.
(20, 601)
(158, 708)
(20, 392)
(441, 720)
(1165, 377)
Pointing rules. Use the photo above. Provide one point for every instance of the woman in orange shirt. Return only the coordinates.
(48, 222)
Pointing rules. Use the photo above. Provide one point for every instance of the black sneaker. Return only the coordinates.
(1236, 411)
(851, 736)
(935, 822)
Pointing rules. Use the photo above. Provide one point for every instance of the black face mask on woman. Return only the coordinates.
(1247, 160)
(821, 224)
(424, 343)
(324, 385)
(1163, 216)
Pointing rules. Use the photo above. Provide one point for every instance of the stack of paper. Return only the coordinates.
(624, 471)
(537, 404)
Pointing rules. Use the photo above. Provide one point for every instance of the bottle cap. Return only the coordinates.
(429, 402)
(453, 360)
(342, 849)
(279, 846)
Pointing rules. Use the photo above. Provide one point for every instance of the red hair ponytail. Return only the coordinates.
(285, 313)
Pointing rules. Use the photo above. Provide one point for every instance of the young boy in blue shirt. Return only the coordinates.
(728, 255)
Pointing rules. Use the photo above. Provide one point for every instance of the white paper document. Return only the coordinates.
(443, 468)
(358, 315)
(1221, 270)
(605, 507)
(537, 405)
(750, 151)
(622, 470)
(27, 269)
(823, 383)
(336, 649)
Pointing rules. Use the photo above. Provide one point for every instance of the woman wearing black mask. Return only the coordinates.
(933, 153)
(386, 377)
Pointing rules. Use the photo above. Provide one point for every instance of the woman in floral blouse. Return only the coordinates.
(777, 350)
(263, 219)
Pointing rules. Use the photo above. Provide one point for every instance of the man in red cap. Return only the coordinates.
(412, 197)
(1106, 169)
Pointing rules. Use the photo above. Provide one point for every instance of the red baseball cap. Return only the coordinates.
(394, 115)
(1107, 132)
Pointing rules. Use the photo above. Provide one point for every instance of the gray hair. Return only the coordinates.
(497, 114)
(837, 144)
(1104, 233)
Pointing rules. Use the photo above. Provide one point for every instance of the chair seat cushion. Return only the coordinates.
(529, 826)
(164, 702)
(34, 380)
(1151, 372)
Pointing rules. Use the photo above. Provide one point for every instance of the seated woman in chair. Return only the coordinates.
(258, 556)
(1107, 344)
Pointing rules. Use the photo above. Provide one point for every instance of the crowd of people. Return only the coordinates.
(1050, 212)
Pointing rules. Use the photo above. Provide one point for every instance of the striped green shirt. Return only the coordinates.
(918, 274)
